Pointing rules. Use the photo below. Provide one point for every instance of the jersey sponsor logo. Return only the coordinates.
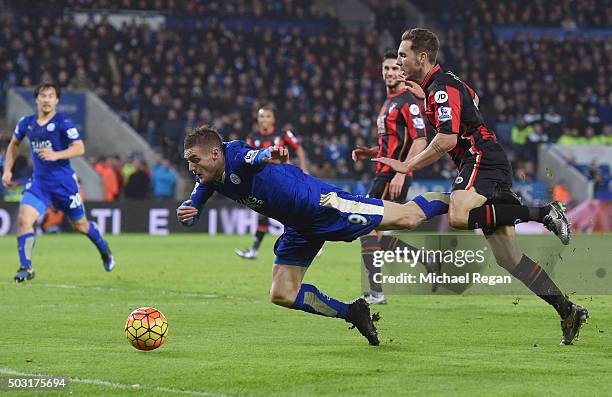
(37, 145)
(414, 109)
(51, 127)
(440, 96)
(444, 113)
(251, 202)
(458, 180)
(72, 133)
(235, 179)
(418, 123)
(249, 158)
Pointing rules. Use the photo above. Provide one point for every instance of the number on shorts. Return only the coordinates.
(75, 200)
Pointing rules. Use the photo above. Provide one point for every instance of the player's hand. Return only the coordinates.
(415, 88)
(362, 153)
(278, 155)
(7, 178)
(396, 165)
(186, 213)
(48, 154)
(395, 187)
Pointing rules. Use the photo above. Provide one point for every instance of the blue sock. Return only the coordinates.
(311, 300)
(432, 203)
(25, 246)
(96, 238)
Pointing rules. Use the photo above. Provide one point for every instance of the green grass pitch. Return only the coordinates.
(226, 339)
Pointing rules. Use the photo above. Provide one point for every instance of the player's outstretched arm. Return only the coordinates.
(438, 147)
(361, 153)
(188, 213)
(11, 154)
(76, 149)
(278, 155)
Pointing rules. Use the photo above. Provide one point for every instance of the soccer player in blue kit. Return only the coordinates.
(54, 140)
(311, 210)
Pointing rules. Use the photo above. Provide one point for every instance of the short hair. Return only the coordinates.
(47, 84)
(270, 107)
(389, 54)
(423, 40)
(205, 136)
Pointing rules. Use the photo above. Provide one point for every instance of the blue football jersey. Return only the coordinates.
(58, 133)
(282, 192)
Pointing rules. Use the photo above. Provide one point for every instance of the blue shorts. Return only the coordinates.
(340, 217)
(63, 194)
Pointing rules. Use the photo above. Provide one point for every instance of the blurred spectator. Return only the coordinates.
(105, 169)
(139, 182)
(163, 179)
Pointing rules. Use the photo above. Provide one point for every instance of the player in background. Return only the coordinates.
(54, 140)
(263, 139)
(401, 135)
(311, 210)
(482, 197)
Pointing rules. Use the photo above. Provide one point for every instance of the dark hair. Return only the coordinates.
(389, 54)
(204, 136)
(270, 107)
(423, 40)
(47, 84)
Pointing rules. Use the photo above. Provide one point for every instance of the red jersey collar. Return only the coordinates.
(397, 93)
(270, 134)
(427, 78)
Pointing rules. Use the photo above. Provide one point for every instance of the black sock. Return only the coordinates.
(370, 244)
(259, 235)
(536, 279)
(489, 216)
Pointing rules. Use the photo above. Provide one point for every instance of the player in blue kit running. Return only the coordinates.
(311, 210)
(54, 139)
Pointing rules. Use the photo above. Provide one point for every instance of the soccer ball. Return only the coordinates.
(146, 328)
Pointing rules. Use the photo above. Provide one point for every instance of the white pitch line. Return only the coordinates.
(98, 382)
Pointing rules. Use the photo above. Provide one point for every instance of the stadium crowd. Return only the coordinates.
(327, 87)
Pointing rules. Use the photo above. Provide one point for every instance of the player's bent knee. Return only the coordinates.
(81, 226)
(24, 224)
(282, 296)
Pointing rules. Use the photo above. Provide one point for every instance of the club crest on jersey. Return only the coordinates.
(444, 113)
(440, 96)
(235, 179)
(414, 109)
(51, 127)
(458, 180)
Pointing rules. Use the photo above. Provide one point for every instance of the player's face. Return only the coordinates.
(208, 165)
(265, 120)
(47, 100)
(391, 72)
(408, 61)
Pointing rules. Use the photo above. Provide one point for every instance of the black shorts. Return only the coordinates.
(380, 188)
(489, 173)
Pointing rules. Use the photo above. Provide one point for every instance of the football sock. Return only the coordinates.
(432, 203)
(536, 279)
(259, 235)
(490, 216)
(310, 299)
(369, 245)
(96, 238)
(25, 246)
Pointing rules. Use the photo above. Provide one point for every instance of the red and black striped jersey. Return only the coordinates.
(400, 121)
(451, 107)
(285, 138)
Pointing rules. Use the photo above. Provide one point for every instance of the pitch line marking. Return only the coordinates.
(116, 385)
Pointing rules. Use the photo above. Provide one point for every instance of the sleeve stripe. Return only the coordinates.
(454, 100)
